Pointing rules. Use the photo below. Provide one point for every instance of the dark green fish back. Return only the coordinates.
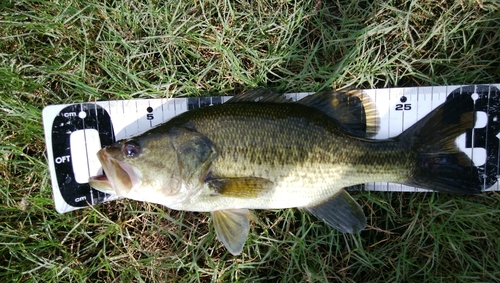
(249, 135)
(274, 140)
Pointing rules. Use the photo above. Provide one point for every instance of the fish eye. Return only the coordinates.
(131, 149)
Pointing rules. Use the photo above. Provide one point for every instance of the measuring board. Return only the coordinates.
(75, 132)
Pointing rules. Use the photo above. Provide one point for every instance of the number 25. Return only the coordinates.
(400, 107)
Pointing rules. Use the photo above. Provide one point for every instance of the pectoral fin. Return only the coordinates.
(247, 187)
(231, 227)
(341, 212)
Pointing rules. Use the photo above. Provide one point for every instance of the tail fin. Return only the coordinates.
(440, 165)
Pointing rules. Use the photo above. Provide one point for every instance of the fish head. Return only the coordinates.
(144, 169)
(164, 168)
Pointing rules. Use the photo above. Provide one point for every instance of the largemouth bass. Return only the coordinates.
(261, 151)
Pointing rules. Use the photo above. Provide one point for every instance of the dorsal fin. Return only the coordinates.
(354, 110)
(259, 95)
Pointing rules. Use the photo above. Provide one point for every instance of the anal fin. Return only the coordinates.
(341, 212)
(232, 227)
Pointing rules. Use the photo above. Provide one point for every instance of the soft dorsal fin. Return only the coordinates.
(259, 95)
(354, 110)
(341, 212)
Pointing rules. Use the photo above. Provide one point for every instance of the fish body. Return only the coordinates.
(297, 156)
(272, 154)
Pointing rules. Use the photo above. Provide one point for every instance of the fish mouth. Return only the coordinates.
(120, 177)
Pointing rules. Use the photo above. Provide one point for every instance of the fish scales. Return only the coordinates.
(302, 151)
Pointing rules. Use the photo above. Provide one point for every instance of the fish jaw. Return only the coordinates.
(120, 178)
(102, 184)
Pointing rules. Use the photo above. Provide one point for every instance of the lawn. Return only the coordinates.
(61, 51)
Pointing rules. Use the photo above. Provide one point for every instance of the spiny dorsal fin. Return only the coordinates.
(259, 95)
(232, 227)
(354, 110)
(341, 212)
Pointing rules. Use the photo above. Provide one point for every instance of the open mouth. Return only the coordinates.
(119, 177)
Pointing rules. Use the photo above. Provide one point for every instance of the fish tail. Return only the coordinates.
(437, 162)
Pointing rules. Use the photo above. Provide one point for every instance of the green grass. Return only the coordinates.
(54, 52)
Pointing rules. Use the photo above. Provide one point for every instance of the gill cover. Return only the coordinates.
(195, 153)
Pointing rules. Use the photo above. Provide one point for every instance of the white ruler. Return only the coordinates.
(75, 132)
